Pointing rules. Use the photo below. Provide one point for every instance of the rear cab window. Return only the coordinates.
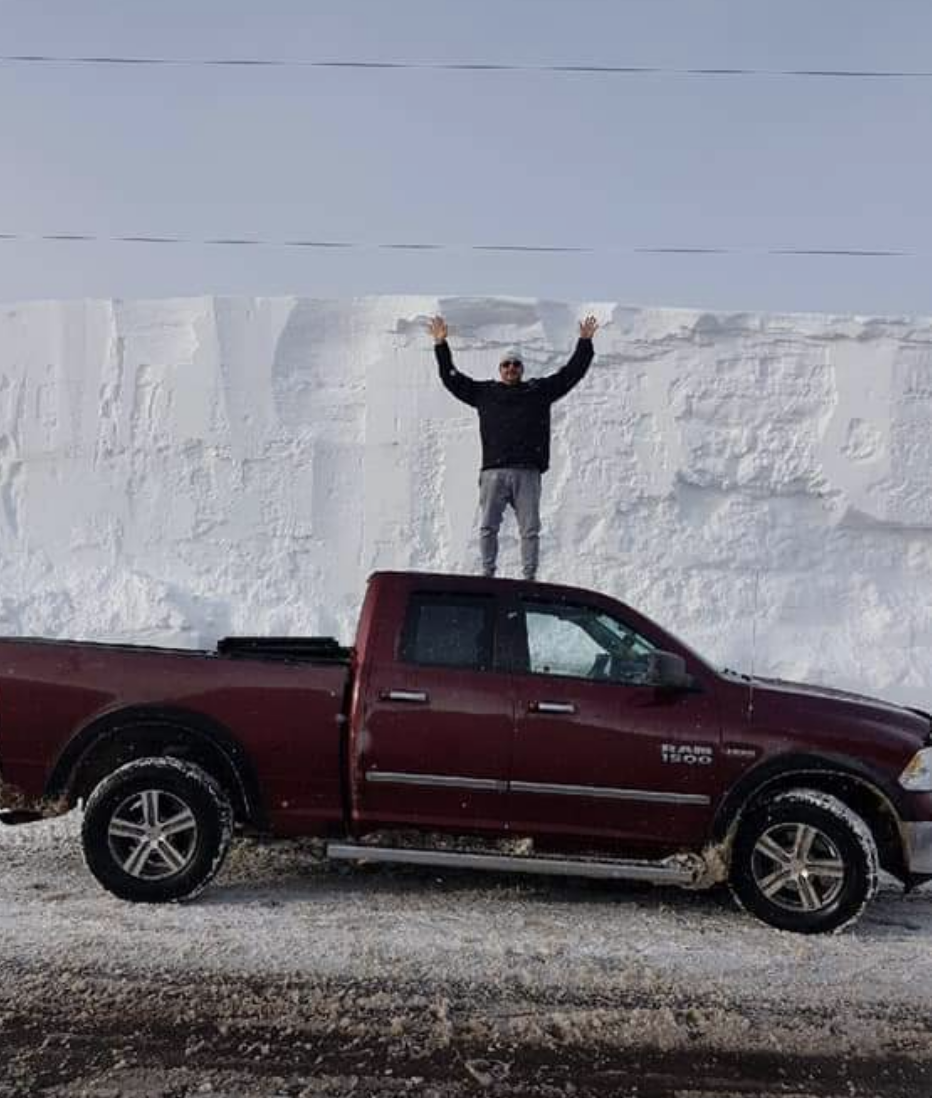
(449, 630)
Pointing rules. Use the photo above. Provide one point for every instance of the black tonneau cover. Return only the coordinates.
(316, 649)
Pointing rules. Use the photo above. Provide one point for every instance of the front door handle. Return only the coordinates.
(551, 707)
(419, 696)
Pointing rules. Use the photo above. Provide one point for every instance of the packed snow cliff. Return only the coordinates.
(174, 471)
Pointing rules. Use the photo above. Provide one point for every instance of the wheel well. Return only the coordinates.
(111, 748)
(861, 797)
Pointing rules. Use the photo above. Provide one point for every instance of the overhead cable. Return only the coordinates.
(465, 66)
(421, 246)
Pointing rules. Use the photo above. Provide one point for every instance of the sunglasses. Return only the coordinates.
(513, 362)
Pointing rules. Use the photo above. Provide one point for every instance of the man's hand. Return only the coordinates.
(437, 328)
(588, 327)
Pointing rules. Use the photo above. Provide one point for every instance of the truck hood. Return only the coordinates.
(867, 708)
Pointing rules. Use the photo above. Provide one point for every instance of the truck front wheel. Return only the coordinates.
(156, 830)
(804, 862)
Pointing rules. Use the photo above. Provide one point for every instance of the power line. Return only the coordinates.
(420, 246)
(465, 66)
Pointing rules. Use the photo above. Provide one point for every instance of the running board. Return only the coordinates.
(14, 816)
(680, 870)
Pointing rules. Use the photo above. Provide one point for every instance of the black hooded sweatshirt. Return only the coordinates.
(514, 420)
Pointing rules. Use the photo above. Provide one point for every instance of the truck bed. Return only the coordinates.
(277, 701)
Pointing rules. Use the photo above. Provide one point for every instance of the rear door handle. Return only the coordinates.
(551, 707)
(418, 696)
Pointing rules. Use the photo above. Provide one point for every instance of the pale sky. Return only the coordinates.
(608, 162)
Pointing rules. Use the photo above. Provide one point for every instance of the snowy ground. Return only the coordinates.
(290, 976)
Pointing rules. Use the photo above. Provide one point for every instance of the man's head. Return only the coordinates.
(511, 367)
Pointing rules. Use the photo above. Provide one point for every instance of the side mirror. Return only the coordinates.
(668, 671)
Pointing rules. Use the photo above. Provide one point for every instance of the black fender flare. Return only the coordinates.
(777, 769)
(198, 728)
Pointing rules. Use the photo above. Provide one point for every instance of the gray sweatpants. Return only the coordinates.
(521, 489)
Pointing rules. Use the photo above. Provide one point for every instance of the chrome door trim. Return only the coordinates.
(497, 785)
(440, 781)
(609, 793)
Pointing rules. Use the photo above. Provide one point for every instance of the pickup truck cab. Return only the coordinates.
(475, 722)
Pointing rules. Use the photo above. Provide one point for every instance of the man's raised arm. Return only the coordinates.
(461, 386)
(559, 384)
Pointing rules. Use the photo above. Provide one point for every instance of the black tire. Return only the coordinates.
(804, 862)
(125, 846)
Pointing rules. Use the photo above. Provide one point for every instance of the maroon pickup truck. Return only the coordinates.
(479, 723)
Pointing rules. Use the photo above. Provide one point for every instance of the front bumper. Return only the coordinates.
(917, 843)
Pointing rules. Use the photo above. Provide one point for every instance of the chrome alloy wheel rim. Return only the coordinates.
(152, 835)
(798, 867)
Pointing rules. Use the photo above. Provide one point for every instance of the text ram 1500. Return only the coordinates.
(479, 723)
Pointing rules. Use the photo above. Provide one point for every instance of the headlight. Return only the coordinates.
(917, 776)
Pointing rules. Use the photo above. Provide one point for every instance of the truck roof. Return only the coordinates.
(454, 581)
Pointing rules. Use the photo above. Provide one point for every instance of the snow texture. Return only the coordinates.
(174, 471)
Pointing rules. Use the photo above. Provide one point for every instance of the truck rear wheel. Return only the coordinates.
(804, 862)
(156, 830)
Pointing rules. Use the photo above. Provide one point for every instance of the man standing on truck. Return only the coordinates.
(514, 424)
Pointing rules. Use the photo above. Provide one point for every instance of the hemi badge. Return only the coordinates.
(741, 752)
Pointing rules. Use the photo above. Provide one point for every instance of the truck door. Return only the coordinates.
(438, 722)
(600, 757)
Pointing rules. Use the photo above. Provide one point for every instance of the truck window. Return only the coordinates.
(449, 631)
(583, 642)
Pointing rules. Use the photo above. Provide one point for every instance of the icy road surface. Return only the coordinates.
(290, 976)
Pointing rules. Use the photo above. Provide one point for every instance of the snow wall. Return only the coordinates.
(175, 471)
